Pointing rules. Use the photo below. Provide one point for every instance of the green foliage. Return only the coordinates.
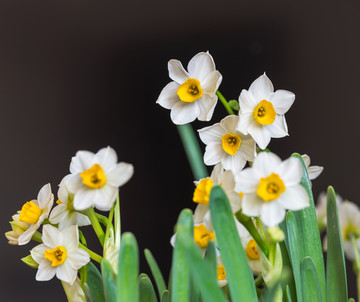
(94, 284)
(108, 277)
(309, 281)
(156, 273)
(146, 289)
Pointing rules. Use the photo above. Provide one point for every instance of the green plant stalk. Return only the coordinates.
(247, 222)
(193, 151)
(37, 237)
(117, 222)
(262, 231)
(96, 225)
(224, 102)
(356, 264)
(102, 219)
(92, 254)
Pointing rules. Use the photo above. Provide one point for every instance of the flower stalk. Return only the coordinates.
(224, 102)
(92, 254)
(96, 225)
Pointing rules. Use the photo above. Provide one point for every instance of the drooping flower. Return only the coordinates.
(313, 171)
(270, 186)
(96, 178)
(262, 111)
(191, 94)
(59, 254)
(31, 216)
(227, 145)
(64, 213)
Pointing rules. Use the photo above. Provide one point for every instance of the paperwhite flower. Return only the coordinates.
(191, 95)
(33, 213)
(321, 208)
(227, 145)
(270, 186)
(64, 213)
(96, 178)
(313, 171)
(59, 254)
(221, 273)
(18, 228)
(262, 111)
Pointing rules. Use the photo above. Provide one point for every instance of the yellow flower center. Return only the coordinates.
(270, 187)
(94, 177)
(30, 212)
(241, 194)
(264, 113)
(221, 275)
(202, 236)
(202, 191)
(251, 250)
(231, 143)
(190, 91)
(351, 231)
(56, 256)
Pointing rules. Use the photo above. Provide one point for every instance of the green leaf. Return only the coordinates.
(335, 261)
(108, 277)
(310, 281)
(165, 297)
(146, 289)
(287, 294)
(351, 300)
(158, 277)
(210, 256)
(128, 270)
(180, 281)
(95, 283)
(287, 272)
(28, 260)
(239, 275)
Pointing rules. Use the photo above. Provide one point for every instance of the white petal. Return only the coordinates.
(211, 83)
(45, 271)
(294, 198)
(58, 214)
(282, 100)
(247, 147)
(278, 128)
(84, 199)
(272, 213)
(200, 66)
(212, 134)
(348, 214)
(230, 123)
(314, 171)
(214, 153)
(251, 205)
(51, 236)
(261, 88)
(177, 72)
(168, 96)
(234, 163)
(290, 171)
(206, 106)
(74, 183)
(246, 121)
(266, 163)
(81, 219)
(44, 196)
(37, 253)
(81, 161)
(183, 113)
(120, 174)
(106, 158)
(235, 201)
(260, 134)
(63, 194)
(105, 198)
(306, 159)
(247, 102)
(216, 173)
(247, 181)
(349, 250)
(66, 272)
(227, 181)
(200, 213)
(25, 237)
(78, 258)
(70, 237)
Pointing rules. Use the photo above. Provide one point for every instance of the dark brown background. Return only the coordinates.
(83, 75)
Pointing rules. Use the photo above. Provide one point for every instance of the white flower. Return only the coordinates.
(18, 228)
(227, 145)
(191, 95)
(321, 208)
(96, 178)
(59, 254)
(270, 186)
(262, 111)
(220, 270)
(313, 171)
(34, 212)
(64, 213)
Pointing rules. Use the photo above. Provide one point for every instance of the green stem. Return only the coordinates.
(102, 219)
(356, 264)
(37, 237)
(92, 254)
(262, 231)
(247, 222)
(259, 281)
(96, 225)
(272, 253)
(193, 151)
(117, 222)
(224, 102)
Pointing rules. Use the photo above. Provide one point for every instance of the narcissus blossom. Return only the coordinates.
(270, 187)
(313, 171)
(59, 254)
(262, 111)
(191, 94)
(96, 178)
(321, 208)
(226, 145)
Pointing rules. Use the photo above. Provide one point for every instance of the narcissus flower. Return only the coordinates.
(18, 228)
(220, 271)
(270, 186)
(321, 208)
(262, 111)
(64, 213)
(59, 254)
(191, 94)
(313, 171)
(227, 145)
(96, 178)
(31, 216)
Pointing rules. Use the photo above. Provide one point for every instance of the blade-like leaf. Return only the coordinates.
(287, 294)
(158, 277)
(287, 272)
(108, 278)
(335, 261)
(180, 281)
(210, 256)
(165, 297)
(146, 289)
(309, 281)
(95, 283)
(128, 270)
(239, 275)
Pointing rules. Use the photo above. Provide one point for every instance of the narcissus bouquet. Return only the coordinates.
(254, 233)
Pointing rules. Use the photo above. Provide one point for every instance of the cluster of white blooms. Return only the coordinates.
(94, 182)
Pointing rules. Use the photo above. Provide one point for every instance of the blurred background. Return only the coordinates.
(82, 75)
